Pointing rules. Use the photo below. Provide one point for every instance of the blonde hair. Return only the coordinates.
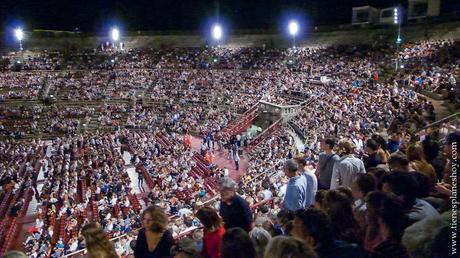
(284, 247)
(97, 243)
(415, 152)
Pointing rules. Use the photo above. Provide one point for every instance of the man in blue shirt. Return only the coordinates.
(312, 181)
(296, 191)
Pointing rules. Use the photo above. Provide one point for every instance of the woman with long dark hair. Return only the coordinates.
(344, 224)
(213, 231)
(387, 217)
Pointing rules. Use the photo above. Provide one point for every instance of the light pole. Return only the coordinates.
(217, 32)
(19, 34)
(397, 20)
(293, 28)
(115, 36)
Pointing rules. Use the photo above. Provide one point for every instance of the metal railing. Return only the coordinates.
(443, 120)
(180, 235)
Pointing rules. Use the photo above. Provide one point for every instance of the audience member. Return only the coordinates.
(213, 231)
(297, 196)
(154, 240)
(260, 239)
(97, 243)
(285, 247)
(347, 168)
(234, 210)
(237, 244)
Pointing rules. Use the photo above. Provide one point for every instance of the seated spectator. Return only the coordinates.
(374, 157)
(398, 162)
(319, 200)
(344, 225)
(283, 218)
(185, 248)
(314, 228)
(394, 142)
(237, 244)
(260, 238)
(390, 219)
(405, 186)
(420, 237)
(363, 185)
(418, 163)
(284, 247)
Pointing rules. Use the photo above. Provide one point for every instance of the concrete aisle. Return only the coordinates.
(221, 160)
(133, 175)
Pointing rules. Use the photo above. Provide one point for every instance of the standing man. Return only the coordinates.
(234, 210)
(237, 162)
(203, 147)
(140, 180)
(296, 191)
(347, 168)
(312, 181)
(326, 162)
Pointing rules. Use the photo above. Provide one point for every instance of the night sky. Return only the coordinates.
(92, 15)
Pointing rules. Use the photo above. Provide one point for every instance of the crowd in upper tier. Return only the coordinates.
(119, 124)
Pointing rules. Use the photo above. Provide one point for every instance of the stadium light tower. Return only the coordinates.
(293, 28)
(19, 34)
(217, 32)
(397, 20)
(115, 33)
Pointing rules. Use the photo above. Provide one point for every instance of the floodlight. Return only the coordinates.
(395, 16)
(115, 34)
(217, 31)
(19, 34)
(293, 28)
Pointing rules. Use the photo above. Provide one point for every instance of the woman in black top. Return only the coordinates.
(154, 240)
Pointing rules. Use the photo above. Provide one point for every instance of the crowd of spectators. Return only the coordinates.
(432, 66)
(359, 192)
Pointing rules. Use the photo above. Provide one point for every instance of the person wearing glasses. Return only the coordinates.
(154, 240)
